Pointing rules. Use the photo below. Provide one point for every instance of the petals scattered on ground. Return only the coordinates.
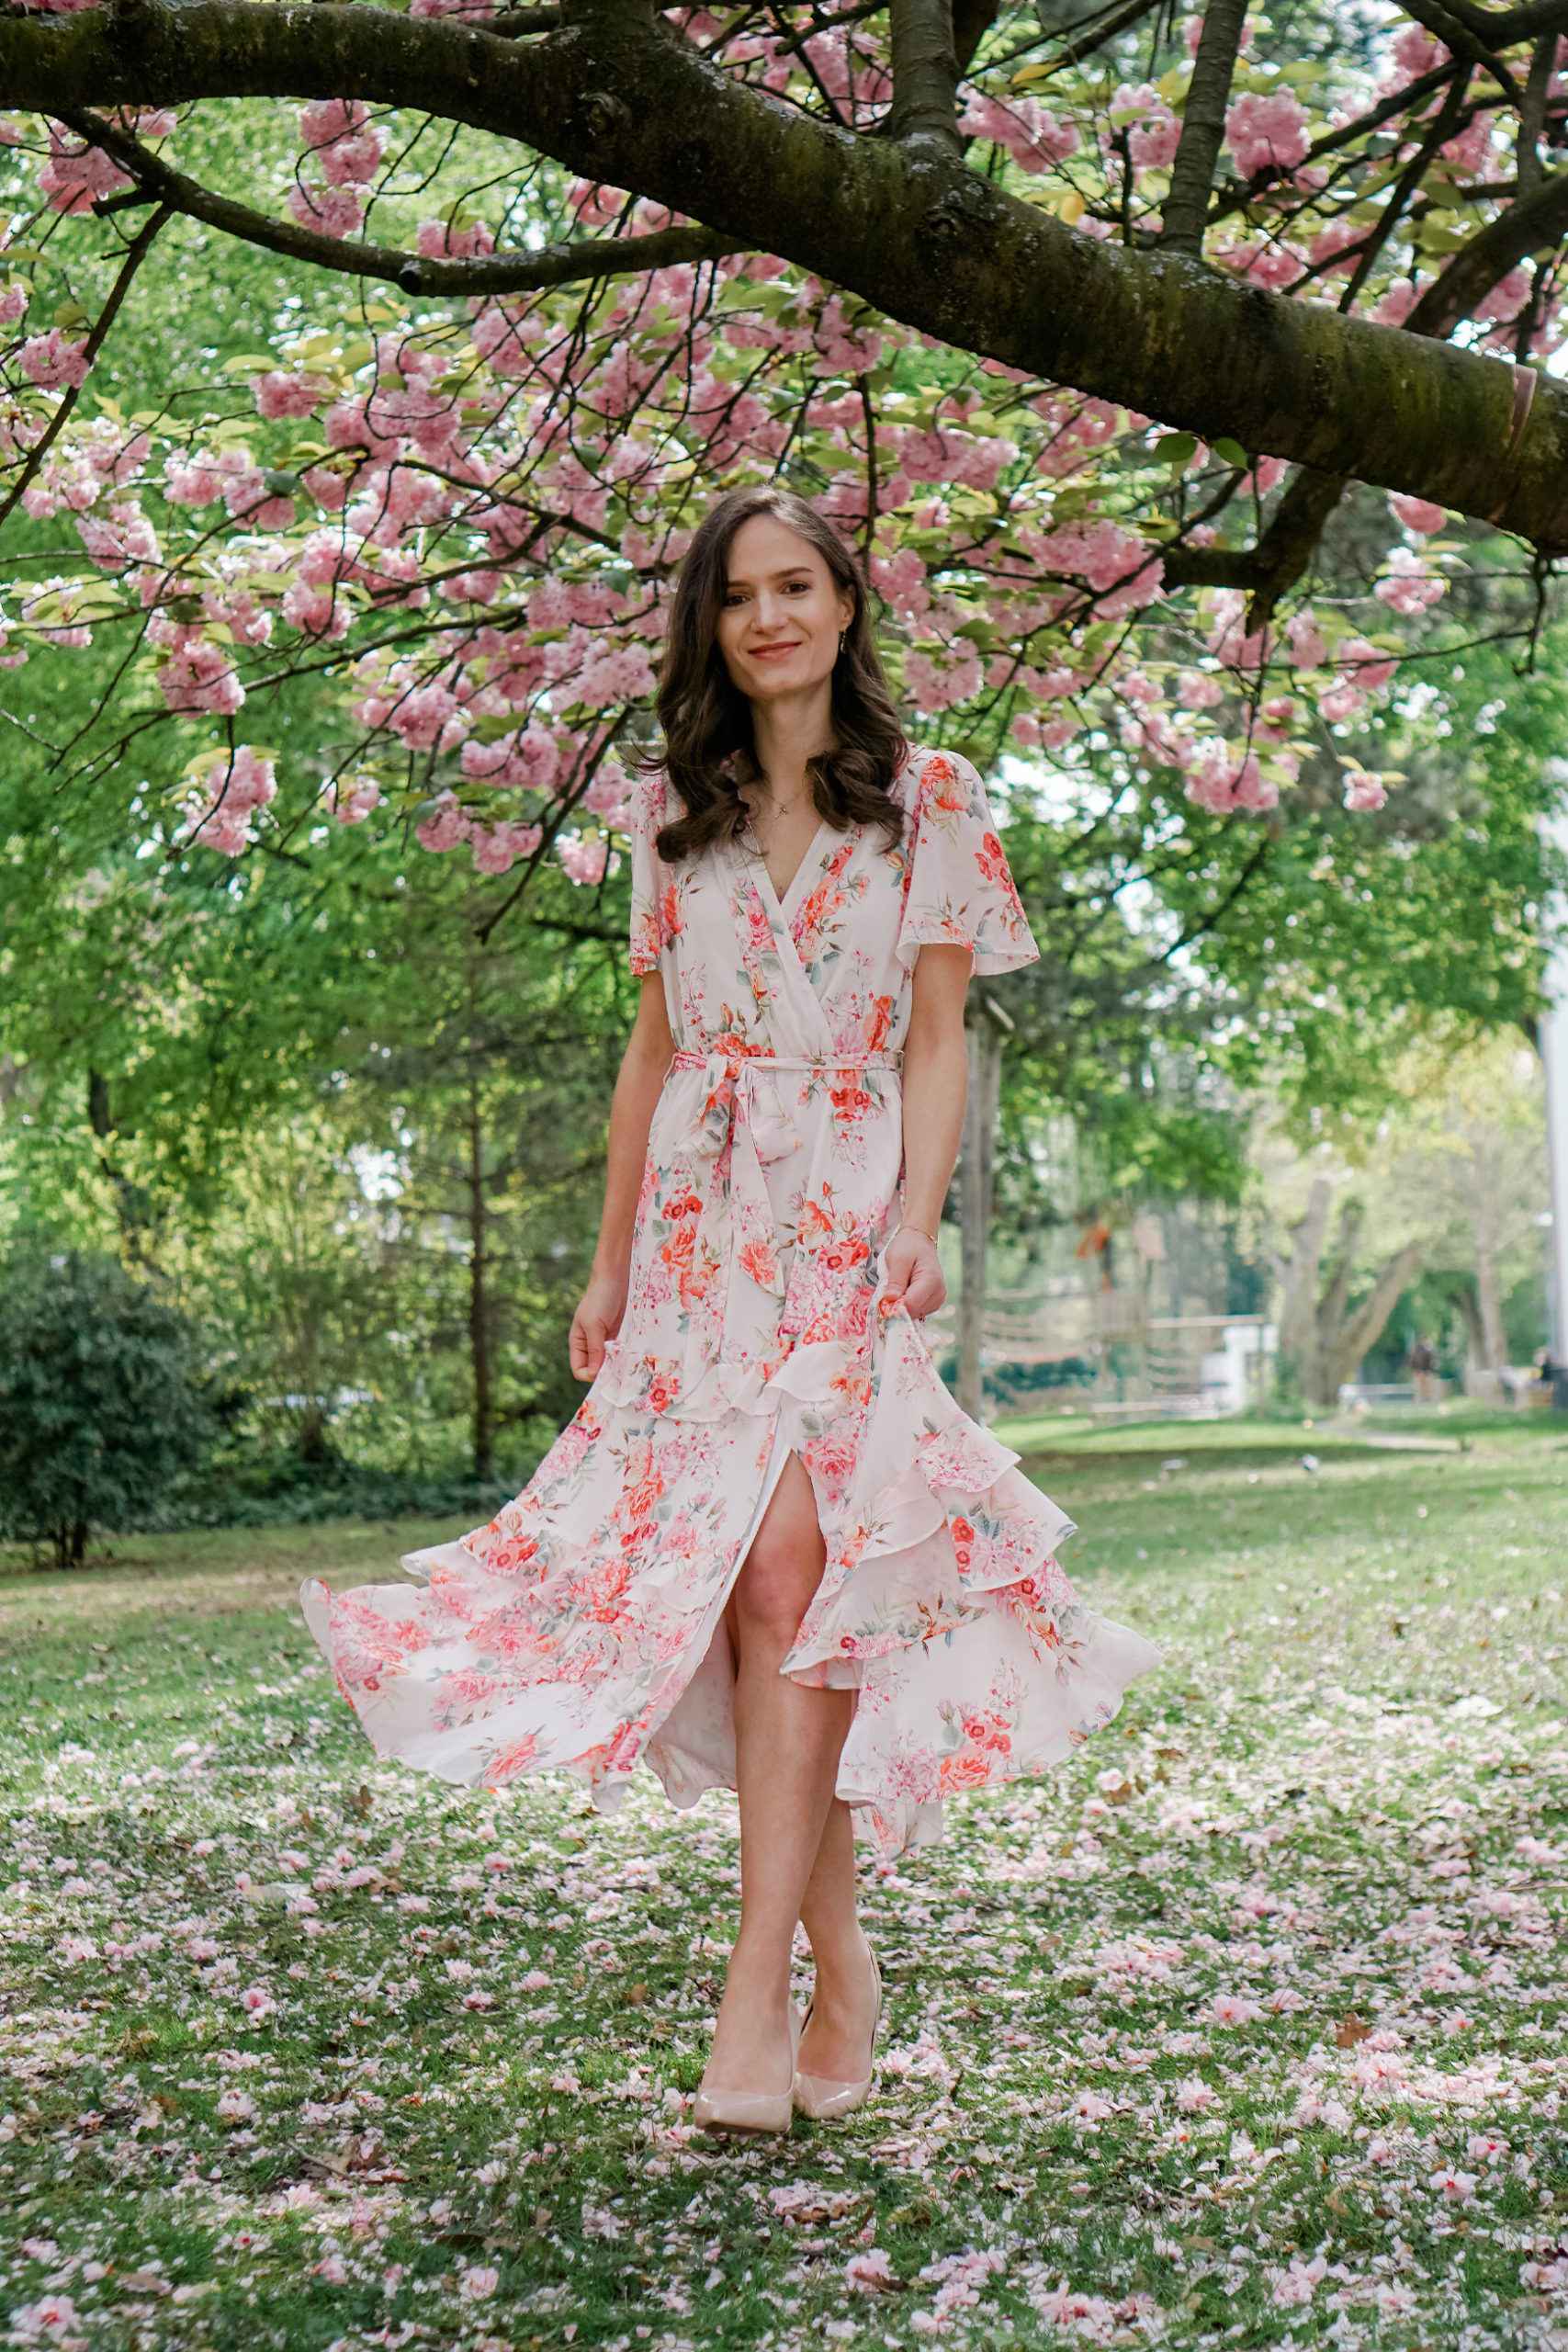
(1247, 2025)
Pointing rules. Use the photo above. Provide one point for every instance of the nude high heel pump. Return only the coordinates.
(824, 2101)
(750, 2110)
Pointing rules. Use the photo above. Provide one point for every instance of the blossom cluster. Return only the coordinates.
(469, 511)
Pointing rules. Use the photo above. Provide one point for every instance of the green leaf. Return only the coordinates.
(1176, 449)
(1231, 451)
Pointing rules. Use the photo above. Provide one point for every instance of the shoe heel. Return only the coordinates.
(823, 2101)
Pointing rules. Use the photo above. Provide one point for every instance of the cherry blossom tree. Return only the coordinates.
(1082, 331)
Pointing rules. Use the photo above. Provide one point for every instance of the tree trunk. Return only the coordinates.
(312, 1444)
(1463, 1292)
(1298, 1279)
(1489, 1301)
(1320, 1336)
(1342, 1351)
(483, 1425)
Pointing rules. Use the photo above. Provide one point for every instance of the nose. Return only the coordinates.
(771, 615)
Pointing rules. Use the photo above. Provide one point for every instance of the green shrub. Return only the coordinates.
(98, 1416)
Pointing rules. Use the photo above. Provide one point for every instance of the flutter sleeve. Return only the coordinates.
(957, 890)
(650, 875)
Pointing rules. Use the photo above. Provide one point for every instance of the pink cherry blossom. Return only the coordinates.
(339, 133)
(1300, 2282)
(1235, 2008)
(280, 392)
(331, 212)
(353, 801)
(55, 361)
(54, 2315)
(1409, 586)
(439, 240)
(1153, 129)
(1266, 131)
(582, 860)
(75, 177)
(1417, 514)
(1032, 136)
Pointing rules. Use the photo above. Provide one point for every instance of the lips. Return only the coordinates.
(773, 652)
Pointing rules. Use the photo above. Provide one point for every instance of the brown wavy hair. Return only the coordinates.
(709, 749)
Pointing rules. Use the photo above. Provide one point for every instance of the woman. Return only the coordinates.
(770, 1552)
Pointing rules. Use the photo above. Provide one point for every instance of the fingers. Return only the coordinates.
(587, 1350)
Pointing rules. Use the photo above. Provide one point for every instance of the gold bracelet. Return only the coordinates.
(906, 1227)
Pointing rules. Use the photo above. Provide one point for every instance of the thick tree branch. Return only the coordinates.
(1532, 116)
(1502, 27)
(1286, 548)
(1186, 208)
(502, 273)
(925, 75)
(1281, 556)
(1446, 27)
(1540, 218)
(972, 20)
(928, 241)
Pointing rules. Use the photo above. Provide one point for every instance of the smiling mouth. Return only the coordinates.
(766, 652)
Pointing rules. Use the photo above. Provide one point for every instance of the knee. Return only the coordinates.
(773, 1592)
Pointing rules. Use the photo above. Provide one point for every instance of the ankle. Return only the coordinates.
(843, 1968)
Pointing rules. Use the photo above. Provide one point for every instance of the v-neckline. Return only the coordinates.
(784, 901)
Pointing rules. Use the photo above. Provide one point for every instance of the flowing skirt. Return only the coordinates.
(580, 1630)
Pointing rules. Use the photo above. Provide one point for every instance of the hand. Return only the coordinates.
(598, 1318)
(914, 1279)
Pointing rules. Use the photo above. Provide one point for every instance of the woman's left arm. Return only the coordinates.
(936, 1083)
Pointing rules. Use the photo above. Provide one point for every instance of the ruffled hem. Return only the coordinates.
(950, 1533)
(942, 1605)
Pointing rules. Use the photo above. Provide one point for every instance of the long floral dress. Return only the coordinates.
(580, 1629)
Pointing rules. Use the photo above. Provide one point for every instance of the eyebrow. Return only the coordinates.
(790, 572)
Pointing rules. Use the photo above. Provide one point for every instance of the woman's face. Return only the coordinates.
(779, 624)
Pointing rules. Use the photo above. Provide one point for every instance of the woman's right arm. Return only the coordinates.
(637, 1089)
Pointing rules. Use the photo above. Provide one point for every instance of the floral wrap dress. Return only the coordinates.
(580, 1630)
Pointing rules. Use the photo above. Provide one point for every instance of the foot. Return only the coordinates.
(836, 2045)
(753, 2047)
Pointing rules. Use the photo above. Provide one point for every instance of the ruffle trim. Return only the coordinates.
(956, 1532)
(812, 1372)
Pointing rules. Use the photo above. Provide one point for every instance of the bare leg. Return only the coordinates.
(836, 2043)
(788, 1740)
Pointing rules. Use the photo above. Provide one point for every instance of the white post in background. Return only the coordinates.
(1553, 1041)
(986, 1025)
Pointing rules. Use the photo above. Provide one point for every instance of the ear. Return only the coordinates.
(846, 608)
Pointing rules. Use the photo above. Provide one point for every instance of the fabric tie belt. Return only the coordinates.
(736, 1227)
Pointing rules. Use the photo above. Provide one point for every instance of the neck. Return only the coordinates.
(790, 731)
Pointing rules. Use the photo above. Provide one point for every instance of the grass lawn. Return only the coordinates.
(1245, 2028)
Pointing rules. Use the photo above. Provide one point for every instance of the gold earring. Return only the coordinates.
(842, 634)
